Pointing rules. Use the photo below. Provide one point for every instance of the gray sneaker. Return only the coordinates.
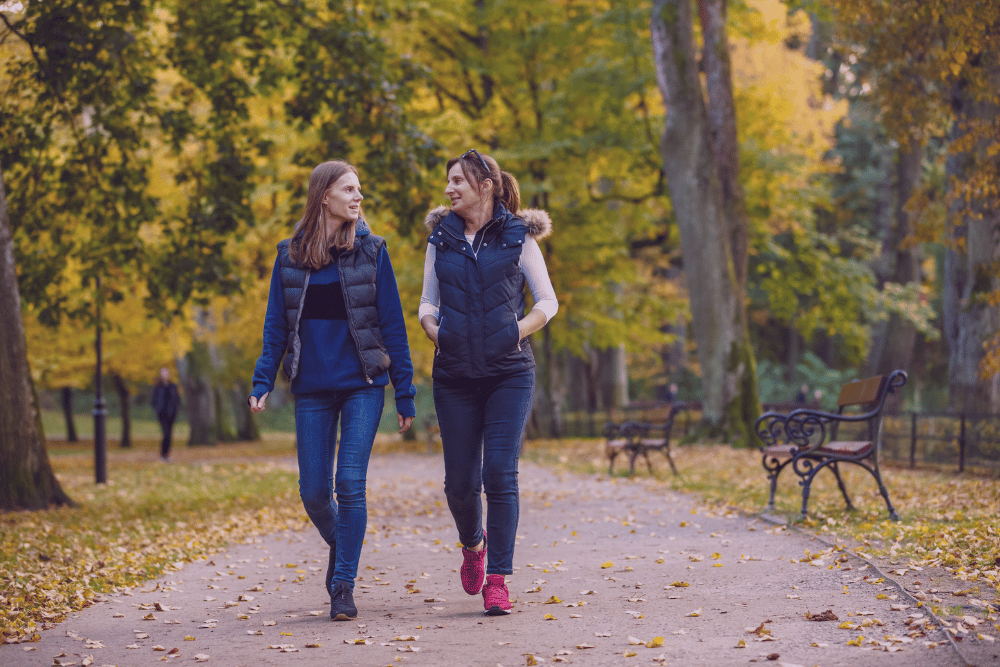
(342, 602)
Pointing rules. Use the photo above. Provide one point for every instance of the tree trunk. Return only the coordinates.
(970, 273)
(722, 125)
(247, 429)
(893, 342)
(124, 400)
(223, 431)
(66, 397)
(729, 391)
(199, 399)
(26, 477)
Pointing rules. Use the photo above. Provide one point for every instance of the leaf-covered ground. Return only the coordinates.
(949, 522)
(152, 515)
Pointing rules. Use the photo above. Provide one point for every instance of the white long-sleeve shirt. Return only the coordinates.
(532, 264)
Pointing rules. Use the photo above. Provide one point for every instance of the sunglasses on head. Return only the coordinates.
(473, 151)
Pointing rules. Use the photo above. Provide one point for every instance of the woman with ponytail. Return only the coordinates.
(480, 255)
(334, 314)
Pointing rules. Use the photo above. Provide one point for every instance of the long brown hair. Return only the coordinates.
(311, 245)
(505, 189)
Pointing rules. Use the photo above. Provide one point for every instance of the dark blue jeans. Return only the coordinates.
(482, 423)
(341, 521)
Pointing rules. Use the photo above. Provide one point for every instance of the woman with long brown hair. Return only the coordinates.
(480, 255)
(334, 314)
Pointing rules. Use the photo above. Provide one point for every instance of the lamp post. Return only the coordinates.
(100, 413)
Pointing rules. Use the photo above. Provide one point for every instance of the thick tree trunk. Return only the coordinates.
(247, 429)
(26, 477)
(722, 124)
(970, 263)
(66, 398)
(729, 392)
(893, 341)
(223, 432)
(124, 401)
(199, 399)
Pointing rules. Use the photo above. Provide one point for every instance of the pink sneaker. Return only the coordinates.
(473, 568)
(496, 599)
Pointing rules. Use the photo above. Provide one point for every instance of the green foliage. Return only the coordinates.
(810, 371)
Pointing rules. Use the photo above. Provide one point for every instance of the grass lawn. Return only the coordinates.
(152, 515)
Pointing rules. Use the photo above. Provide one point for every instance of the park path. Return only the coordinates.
(608, 549)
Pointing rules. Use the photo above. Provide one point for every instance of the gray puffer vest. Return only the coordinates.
(358, 270)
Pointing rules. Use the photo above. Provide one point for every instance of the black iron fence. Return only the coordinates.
(948, 440)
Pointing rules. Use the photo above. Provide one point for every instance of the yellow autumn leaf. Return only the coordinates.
(606, 564)
(655, 643)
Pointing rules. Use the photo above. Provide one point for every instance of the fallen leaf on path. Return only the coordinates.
(696, 612)
(827, 615)
(201, 657)
(584, 646)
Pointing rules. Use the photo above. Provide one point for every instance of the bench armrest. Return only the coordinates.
(770, 428)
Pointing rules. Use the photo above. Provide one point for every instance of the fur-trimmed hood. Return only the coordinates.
(537, 220)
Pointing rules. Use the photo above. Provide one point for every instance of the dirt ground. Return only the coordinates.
(607, 572)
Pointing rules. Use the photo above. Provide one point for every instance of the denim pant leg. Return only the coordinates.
(460, 417)
(360, 416)
(316, 441)
(506, 410)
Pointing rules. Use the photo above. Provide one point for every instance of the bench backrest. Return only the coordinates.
(861, 392)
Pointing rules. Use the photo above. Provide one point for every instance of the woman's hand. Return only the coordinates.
(431, 327)
(404, 422)
(532, 322)
(257, 406)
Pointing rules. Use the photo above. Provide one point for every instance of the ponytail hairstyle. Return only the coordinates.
(478, 167)
(311, 244)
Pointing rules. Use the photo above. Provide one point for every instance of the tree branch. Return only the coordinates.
(31, 47)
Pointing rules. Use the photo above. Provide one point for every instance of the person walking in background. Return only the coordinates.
(334, 314)
(480, 254)
(166, 404)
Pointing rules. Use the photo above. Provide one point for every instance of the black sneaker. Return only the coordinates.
(329, 570)
(342, 602)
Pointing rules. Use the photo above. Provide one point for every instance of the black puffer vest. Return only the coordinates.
(358, 270)
(482, 294)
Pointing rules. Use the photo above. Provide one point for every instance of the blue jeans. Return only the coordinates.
(341, 521)
(482, 424)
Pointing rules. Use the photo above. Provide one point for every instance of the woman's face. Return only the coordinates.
(463, 193)
(343, 199)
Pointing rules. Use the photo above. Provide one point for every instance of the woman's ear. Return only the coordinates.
(485, 185)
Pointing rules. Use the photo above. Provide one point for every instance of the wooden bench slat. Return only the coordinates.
(853, 447)
(778, 450)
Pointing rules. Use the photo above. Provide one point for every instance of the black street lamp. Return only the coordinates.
(100, 413)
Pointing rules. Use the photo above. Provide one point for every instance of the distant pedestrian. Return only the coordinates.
(166, 404)
(480, 255)
(803, 395)
(334, 314)
(670, 394)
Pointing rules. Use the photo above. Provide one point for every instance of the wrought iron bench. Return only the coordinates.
(639, 438)
(807, 438)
